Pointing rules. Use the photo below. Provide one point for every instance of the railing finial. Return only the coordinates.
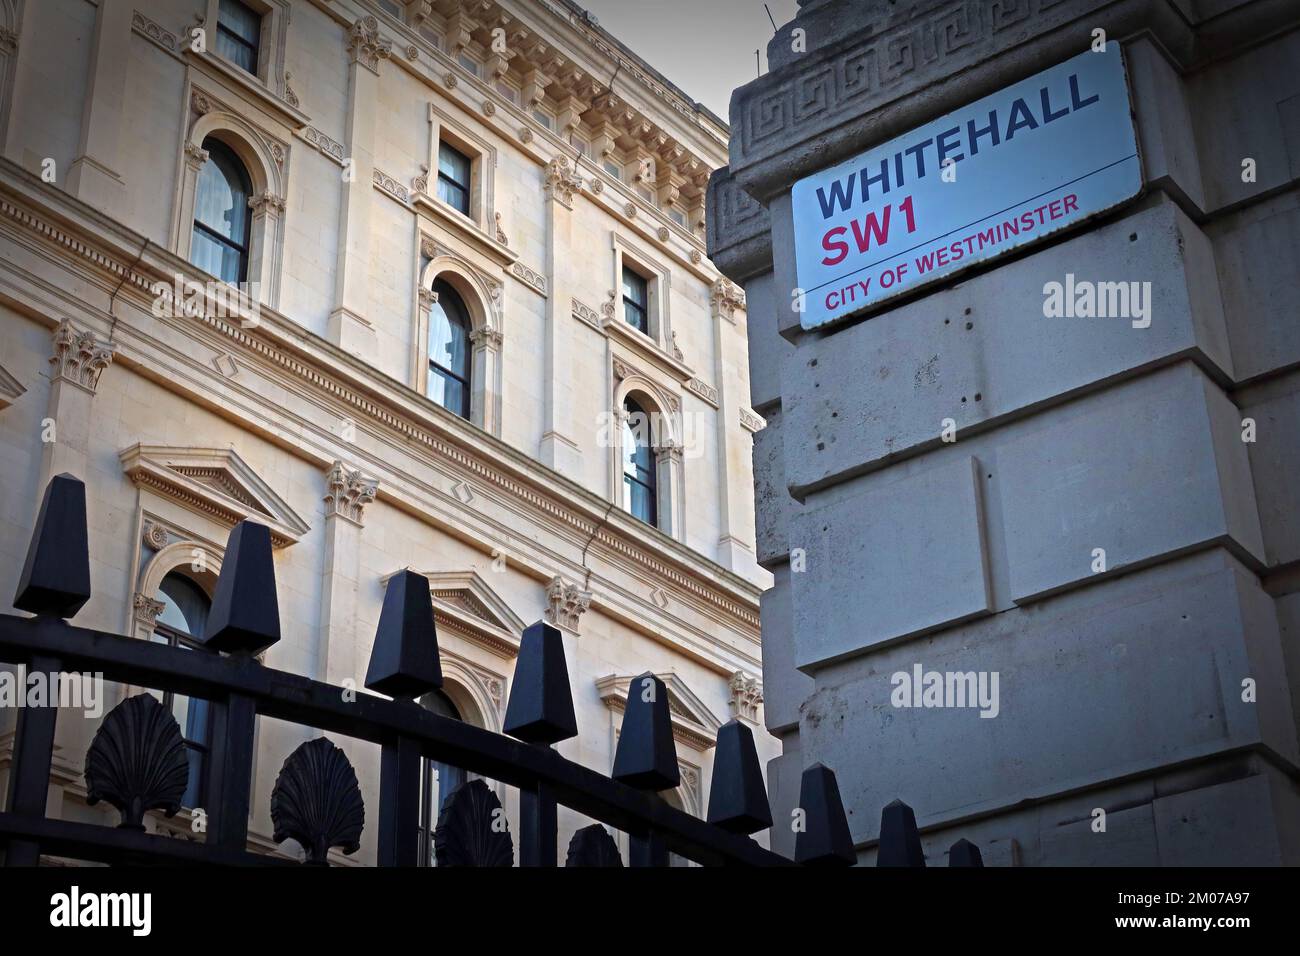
(540, 709)
(824, 839)
(56, 574)
(900, 842)
(646, 757)
(404, 661)
(737, 800)
(245, 614)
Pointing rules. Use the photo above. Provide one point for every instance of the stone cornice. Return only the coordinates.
(110, 254)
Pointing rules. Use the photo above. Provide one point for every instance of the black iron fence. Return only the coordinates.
(137, 760)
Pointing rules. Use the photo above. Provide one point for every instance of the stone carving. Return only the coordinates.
(420, 183)
(139, 22)
(597, 186)
(137, 761)
(725, 298)
(467, 833)
(746, 695)
(630, 210)
(147, 609)
(9, 41)
(751, 421)
(489, 108)
(366, 47)
(586, 313)
(200, 103)
(565, 603)
(525, 135)
(449, 81)
(195, 156)
(329, 147)
(593, 846)
(390, 185)
(663, 233)
(704, 390)
(530, 276)
(501, 233)
(78, 356)
(677, 352)
(317, 801)
(486, 336)
(349, 492)
(561, 181)
(695, 257)
(155, 535)
(266, 202)
(290, 96)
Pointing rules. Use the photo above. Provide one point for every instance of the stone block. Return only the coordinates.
(784, 687)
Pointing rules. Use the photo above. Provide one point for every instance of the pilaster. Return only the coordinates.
(77, 362)
(558, 449)
(347, 494)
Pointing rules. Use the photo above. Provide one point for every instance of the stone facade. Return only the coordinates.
(1160, 686)
(304, 406)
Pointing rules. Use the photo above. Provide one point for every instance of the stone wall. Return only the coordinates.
(1121, 684)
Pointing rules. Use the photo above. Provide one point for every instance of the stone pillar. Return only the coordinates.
(348, 326)
(345, 499)
(672, 489)
(486, 343)
(559, 449)
(1110, 528)
(735, 538)
(94, 175)
(78, 360)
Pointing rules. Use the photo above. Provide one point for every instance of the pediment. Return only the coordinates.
(10, 388)
(694, 724)
(465, 605)
(215, 482)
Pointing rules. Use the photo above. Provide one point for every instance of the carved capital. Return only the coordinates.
(195, 156)
(266, 202)
(349, 492)
(565, 603)
(78, 356)
(562, 181)
(487, 337)
(725, 298)
(366, 47)
(8, 41)
(746, 695)
(147, 609)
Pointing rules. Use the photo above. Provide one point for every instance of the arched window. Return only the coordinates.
(640, 491)
(437, 780)
(182, 622)
(222, 219)
(449, 351)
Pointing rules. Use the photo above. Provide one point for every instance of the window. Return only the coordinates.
(181, 624)
(453, 177)
(543, 117)
(239, 32)
(581, 145)
(449, 352)
(438, 780)
(677, 216)
(639, 484)
(508, 91)
(636, 300)
(613, 169)
(468, 62)
(221, 214)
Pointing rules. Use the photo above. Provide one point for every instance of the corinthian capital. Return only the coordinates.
(562, 181)
(78, 356)
(565, 603)
(349, 492)
(366, 47)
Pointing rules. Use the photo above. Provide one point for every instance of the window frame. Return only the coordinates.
(177, 638)
(231, 36)
(213, 144)
(650, 484)
(466, 187)
(640, 308)
(441, 287)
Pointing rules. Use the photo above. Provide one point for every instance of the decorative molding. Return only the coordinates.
(466, 606)
(586, 314)
(725, 298)
(195, 156)
(290, 96)
(366, 47)
(215, 482)
(535, 280)
(501, 233)
(704, 391)
(8, 41)
(389, 185)
(154, 535)
(332, 149)
(349, 493)
(10, 388)
(750, 421)
(746, 695)
(153, 32)
(78, 356)
(565, 603)
(267, 202)
(694, 724)
(147, 609)
(561, 181)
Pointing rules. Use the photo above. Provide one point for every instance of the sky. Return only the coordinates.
(706, 47)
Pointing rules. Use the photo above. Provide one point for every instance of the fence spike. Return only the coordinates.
(646, 757)
(245, 613)
(737, 800)
(824, 839)
(964, 853)
(404, 660)
(540, 708)
(56, 574)
(900, 842)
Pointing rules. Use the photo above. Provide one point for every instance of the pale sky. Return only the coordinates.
(706, 47)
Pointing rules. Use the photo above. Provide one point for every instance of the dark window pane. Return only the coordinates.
(449, 350)
(453, 177)
(239, 31)
(636, 298)
(639, 481)
(634, 287)
(221, 217)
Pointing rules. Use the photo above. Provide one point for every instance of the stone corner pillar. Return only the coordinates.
(346, 497)
(77, 362)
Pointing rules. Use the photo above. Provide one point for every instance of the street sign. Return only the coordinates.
(968, 187)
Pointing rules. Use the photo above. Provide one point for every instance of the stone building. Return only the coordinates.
(1148, 697)
(415, 284)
